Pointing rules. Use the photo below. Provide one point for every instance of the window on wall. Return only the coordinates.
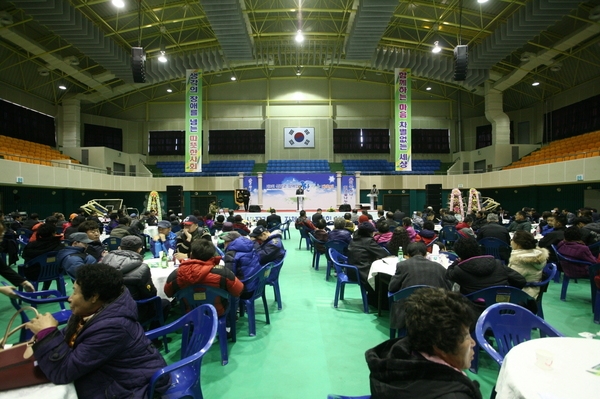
(26, 124)
(166, 142)
(430, 141)
(102, 136)
(572, 120)
(484, 135)
(236, 141)
(368, 141)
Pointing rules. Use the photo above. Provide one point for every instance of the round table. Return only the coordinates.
(46, 391)
(567, 378)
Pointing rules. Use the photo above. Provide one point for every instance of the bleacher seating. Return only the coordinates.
(578, 147)
(298, 166)
(213, 168)
(13, 149)
(383, 167)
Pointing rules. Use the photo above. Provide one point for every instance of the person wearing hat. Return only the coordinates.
(238, 223)
(268, 246)
(186, 236)
(203, 267)
(136, 275)
(363, 251)
(240, 257)
(73, 257)
(164, 240)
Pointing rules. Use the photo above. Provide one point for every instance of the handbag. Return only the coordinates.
(18, 367)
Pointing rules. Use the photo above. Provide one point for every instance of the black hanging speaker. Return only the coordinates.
(175, 198)
(138, 64)
(461, 62)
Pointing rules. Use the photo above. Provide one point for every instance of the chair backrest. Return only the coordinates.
(112, 243)
(572, 268)
(274, 227)
(304, 232)
(405, 292)
(337, 258)
(276, 269)
(495, 247)
(199, 294)
(24, 233)
(49, 267)
(548, 274)
(338, 245)
(448, 233)
(199, 328)
(156, 302)
(500, 293)
(260, 279)
(510, 324)
(595, 248)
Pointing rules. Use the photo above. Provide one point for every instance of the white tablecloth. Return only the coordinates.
(45, 391)
(159, 275)
(151, 231)
(520, 378)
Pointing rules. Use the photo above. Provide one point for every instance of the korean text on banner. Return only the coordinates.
(402, 120)
(193, 119)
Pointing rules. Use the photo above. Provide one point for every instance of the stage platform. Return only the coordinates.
(292, 215)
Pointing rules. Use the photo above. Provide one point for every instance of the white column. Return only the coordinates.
(357, 198)
(241, 180)
(338, 190)
(260, 193)
(71, 123)
(494, 113)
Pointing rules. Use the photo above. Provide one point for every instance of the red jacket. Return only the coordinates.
(209, 272)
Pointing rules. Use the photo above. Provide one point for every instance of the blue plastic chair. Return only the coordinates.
(316, 253)
(259, 292)
(510, 324)
(496, 248)
(111, 243)
(273, 280)
(595, 248)
(592, 270)
(448, 236)
(50, 270)
(400, 296)
(549, 272)
(285, 230)
(198, 330)
(304, 236)
(340, 246)
(199, 294)
(348, 397)
(158, 317)
(342, 267)
(450, 255)
(40, 298)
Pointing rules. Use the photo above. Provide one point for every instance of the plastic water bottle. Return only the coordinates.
(164, 261)
(400, 254)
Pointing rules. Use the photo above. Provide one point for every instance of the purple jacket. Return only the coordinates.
(578, 251)
(111, 357)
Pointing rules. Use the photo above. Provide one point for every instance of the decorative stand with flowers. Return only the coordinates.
(474, 204)
(456, 203)
(154, 203)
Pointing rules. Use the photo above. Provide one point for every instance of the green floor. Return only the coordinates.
(311, 349)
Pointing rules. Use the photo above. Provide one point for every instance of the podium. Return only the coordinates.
(300, 202)
(373, 198)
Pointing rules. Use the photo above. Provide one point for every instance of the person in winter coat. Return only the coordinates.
(164, 240)
(94, 248)
(114, 222)
(73, 257)
(103, 349)
(363, 251)
(339, 232)
(190, 233)
(383, 235)
(47, 241)
(204, 268)
(428, 363)
(521, 223)
(428, 234)
(123, 228)
(412, 234)
(136, 275)
(464, 228)
(241, 258)
(269, 246)
(527, 259)
(447, 218)
(572, 247)
(303, 221)
(474, 272)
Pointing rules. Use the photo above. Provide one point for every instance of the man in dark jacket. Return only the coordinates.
(204, 268)
(94, 248)
(136, 275)
(554, 237)
(448, 218)
(190, 233)
(493, 230)
(416, 270)
(363, 251)
(269, 246)
(520, 223)
(241, 258)
(73, 257)
(273, 219)
(123, 228)
(474, 271)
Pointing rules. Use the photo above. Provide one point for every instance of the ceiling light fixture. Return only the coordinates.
(62, 87)
(428, 88)
(298, 71)
(299, 36)
(536, 83)
(162, 57)
(482, 1)
(169, 90)
(118, 3)
(436, 49)
(233, 78)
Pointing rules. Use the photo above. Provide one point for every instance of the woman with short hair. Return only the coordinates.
(429, 361)
(103, 349)
(528, 259)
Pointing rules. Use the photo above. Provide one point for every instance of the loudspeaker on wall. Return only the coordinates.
(138, 64)
(461, 62)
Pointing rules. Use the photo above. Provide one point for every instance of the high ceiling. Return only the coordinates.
(86, 45)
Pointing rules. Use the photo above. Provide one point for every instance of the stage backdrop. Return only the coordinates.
(279, 190)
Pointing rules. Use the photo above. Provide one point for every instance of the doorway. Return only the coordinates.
(391, 202)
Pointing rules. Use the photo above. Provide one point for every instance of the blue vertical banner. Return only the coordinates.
(402, 118)
(193, 120)
(251, 183)
(349, 190)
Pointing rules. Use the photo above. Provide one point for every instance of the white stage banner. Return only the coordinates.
(298, 137)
